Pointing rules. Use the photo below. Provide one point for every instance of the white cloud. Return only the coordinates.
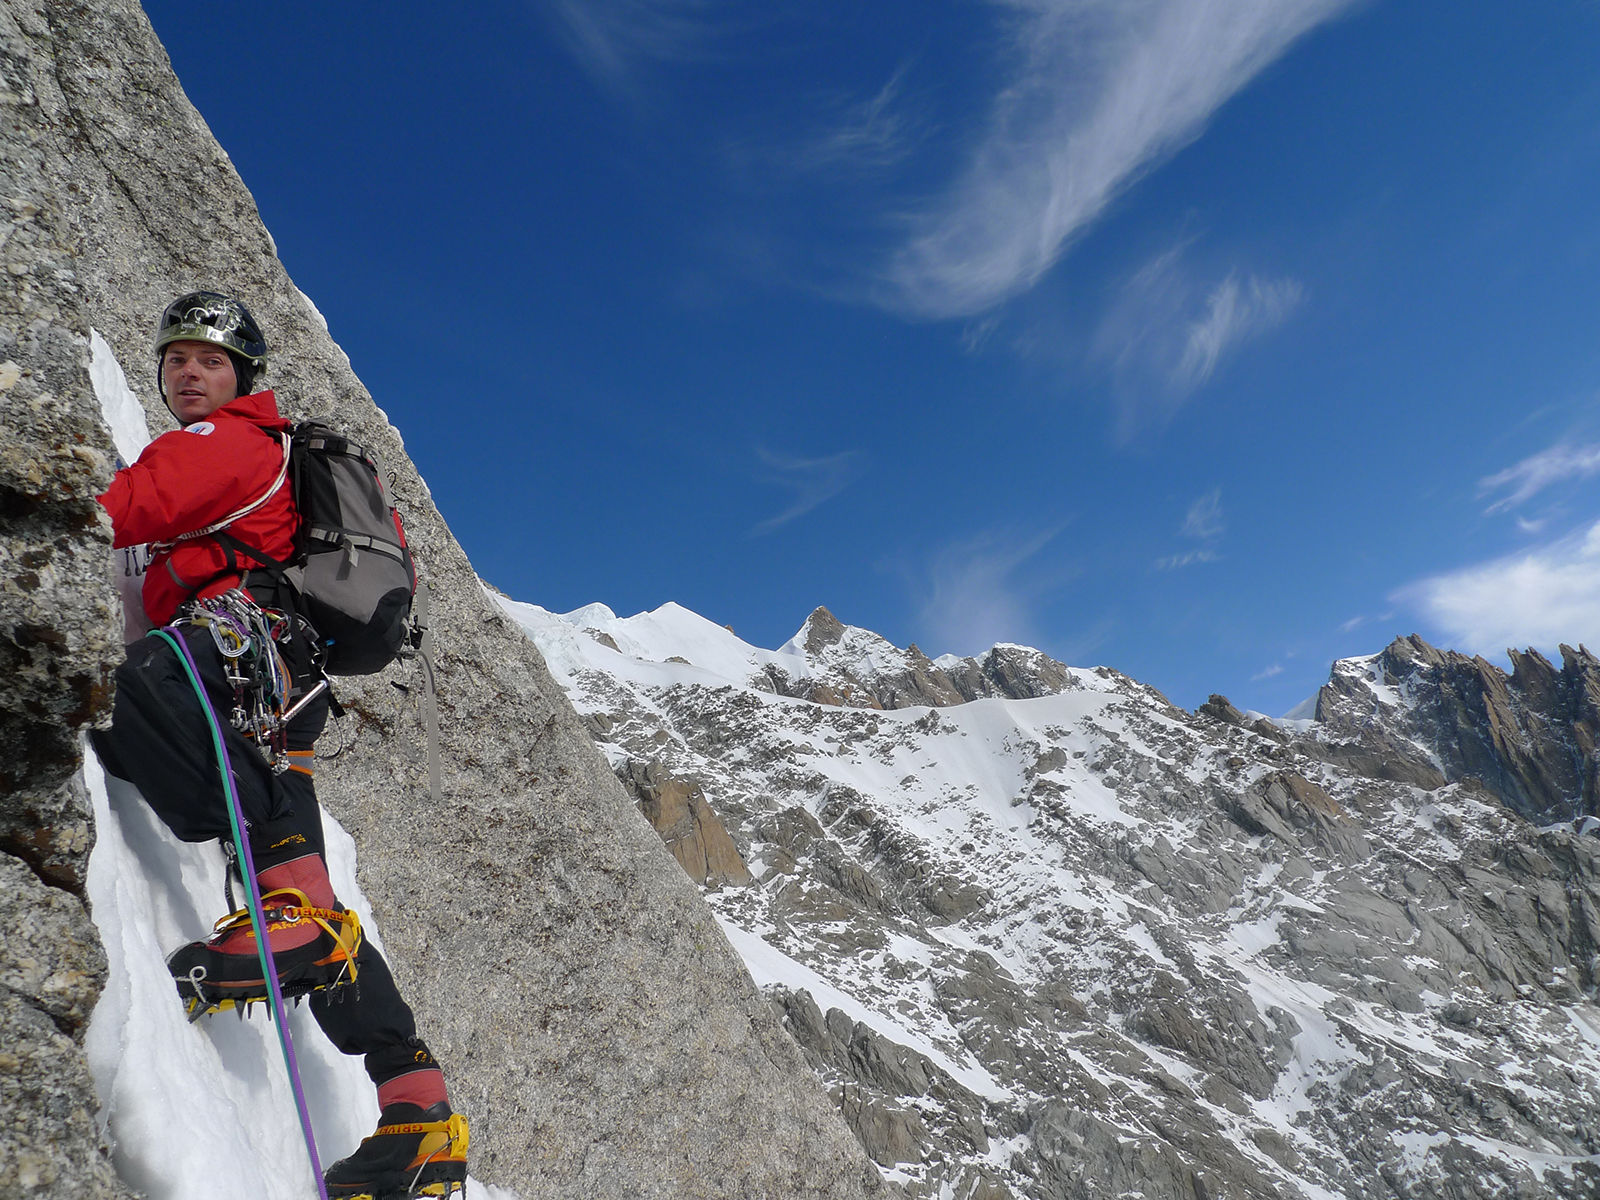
(869, 134)
(977, 333)
(1203, 522)
(974, 594)
(1235, 313)
(1173, 561)
(1204, 518)
(1102, 90)
(1166, 332)
(611, 37)
(1352, 624)
(1274, 669)
(813, 481)
(1539, 471)
(1540, 598)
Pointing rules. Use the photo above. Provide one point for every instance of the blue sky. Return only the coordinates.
(1210, 341)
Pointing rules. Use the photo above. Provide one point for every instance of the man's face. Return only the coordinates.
(199, 379)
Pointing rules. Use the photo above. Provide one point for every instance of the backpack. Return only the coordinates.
(355, 568)
(351, 565)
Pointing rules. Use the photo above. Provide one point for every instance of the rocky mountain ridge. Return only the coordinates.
(1086, 943)
(840, 664)
(1527, 738)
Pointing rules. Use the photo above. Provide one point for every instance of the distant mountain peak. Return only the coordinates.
(1438, 715)
(822, 629)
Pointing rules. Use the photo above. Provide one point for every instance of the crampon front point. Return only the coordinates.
(224, 971)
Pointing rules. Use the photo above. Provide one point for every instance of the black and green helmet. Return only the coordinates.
(220, 320)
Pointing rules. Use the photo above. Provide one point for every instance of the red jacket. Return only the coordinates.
(194, 477)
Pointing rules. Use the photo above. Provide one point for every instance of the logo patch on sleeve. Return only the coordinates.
(201, 427)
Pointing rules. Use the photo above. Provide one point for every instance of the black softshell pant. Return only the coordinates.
(160, 742)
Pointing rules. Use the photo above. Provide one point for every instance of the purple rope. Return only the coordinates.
(253, 891)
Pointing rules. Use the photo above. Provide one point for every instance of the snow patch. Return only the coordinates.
(186, 1105)
(120, 407)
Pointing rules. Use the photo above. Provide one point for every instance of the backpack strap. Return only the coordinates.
(230, 545)
(430, 695)
(217, 532)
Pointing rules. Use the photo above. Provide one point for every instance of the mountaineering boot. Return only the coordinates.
(415, 1152)
(313, 943)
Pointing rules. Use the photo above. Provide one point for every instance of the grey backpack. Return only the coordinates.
(351, 564)
(358, 577)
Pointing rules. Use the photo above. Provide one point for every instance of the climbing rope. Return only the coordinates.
(252, 893)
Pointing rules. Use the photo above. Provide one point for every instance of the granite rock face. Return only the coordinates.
(1421, 715)
(536, 869)
(59, 641)
(52, 969)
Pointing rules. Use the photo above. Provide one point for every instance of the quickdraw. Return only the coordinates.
(247, 637)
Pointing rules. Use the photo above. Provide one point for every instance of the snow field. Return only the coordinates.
(189, 1106)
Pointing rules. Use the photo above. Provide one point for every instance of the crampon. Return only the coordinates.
(224, 971)
(415, 1152)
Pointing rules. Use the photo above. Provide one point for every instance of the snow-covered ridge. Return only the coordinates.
(1435, 715)
(826, 660)
(1019, 936)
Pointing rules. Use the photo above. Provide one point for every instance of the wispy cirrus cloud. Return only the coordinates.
(869, 134)
(1203, 522)
(1204, 518)
(1537, 472)
(1235, 311)
(1542, 597)
(1167, 331)
(812, 480)
(611, 38)
(1101, 91)
(975, 592)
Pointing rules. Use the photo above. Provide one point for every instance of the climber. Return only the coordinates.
(226, 467)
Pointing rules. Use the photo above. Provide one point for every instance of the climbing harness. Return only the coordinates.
(173, 636)
(247, 636)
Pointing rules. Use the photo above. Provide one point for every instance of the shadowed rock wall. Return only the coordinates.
(592, 1020)
(59, 642)
(1528, 737)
